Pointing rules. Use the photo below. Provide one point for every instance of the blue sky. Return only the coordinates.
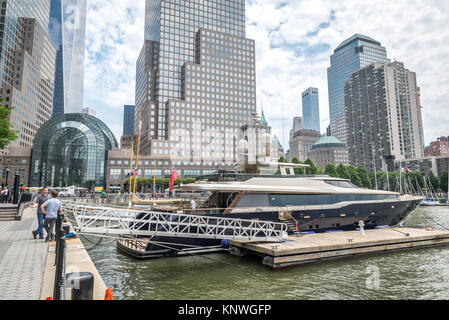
(294, 40)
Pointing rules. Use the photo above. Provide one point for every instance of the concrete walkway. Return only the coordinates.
(22, 259)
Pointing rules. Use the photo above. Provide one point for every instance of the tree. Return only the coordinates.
(355, 178)
(433, 181)
(330, 170)
(297, 170)
(6, 133)
(342, 172)
(365, 180)
(312, 168)
(443, 181)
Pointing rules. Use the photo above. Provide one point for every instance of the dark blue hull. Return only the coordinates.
(345, 219)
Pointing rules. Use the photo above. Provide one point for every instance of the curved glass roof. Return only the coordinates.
(71, 149)
(357, 37)
(328, 141)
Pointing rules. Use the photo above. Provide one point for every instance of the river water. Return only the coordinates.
(414, 274)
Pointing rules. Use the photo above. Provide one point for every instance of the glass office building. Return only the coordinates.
(352, 54)
(196, 71)
(26, 66)
(67, 30)
(71, 149)
(128, 120)
(311, 109)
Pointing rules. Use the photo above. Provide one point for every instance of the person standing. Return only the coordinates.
(53, 208)
(5, 194)
(193, 206)
(40, 215)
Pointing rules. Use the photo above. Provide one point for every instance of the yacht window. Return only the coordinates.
(341, 184)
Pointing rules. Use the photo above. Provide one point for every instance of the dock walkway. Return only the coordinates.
(319, 247)
(27, 270)
(22, 259)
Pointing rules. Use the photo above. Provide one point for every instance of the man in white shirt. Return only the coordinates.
(54, 206)
(193, 205)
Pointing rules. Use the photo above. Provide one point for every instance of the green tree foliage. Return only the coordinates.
(443, 181)
(433, 181)
(342, 172)
(297, 170)
(6, 133)
(363, 175)
(312, 168)
(330, 170)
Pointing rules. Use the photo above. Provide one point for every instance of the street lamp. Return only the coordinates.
(7, 174)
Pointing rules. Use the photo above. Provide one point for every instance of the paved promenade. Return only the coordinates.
(22, 259)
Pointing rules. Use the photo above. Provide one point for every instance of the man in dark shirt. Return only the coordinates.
(40, 215)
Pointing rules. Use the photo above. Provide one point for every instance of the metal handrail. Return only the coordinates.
(104, 220)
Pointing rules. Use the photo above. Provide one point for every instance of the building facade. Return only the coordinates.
(16, 162)
(383, 116)
(311, 109)
(128, 120)
(438, 148)
(297, 125)
(26, 67)
(195, 82)
(71, 149)
(67, 30)
(354, 53)
(329, 150)
(301, 144)
(126, 141)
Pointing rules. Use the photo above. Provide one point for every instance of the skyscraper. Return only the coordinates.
(354, 53)
(311, 109)
(195, 80)
(383, 116)
(128, 120)
(67, 29)
(26, 66)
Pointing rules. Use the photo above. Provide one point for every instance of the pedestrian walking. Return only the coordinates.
(51, 208)
(40, 215)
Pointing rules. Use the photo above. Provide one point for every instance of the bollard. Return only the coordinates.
(82, 284)
(361, 225)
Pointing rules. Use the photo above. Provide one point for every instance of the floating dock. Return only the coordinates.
(312, 248)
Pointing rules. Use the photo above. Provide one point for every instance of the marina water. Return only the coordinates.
(412, 274)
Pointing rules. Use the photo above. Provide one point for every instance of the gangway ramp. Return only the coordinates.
(147, 223)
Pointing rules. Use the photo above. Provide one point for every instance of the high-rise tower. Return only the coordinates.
(311, 109)
(195, 80)
(356, 52)
(67, 30)
(26, 66)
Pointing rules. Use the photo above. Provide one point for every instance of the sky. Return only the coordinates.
(294, 41)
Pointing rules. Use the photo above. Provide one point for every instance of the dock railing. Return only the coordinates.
(119, 222)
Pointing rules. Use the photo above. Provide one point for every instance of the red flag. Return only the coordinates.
(173, 177)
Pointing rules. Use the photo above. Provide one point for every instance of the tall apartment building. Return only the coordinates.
(311, 109)
(26, 66)
(383, 116)
(352, 54)
(437, 148)
(67, 30)
(195, 81)
(128, 120)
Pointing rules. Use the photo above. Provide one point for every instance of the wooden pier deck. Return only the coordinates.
(309, 248)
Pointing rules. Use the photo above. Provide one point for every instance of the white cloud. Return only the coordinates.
(294, 40)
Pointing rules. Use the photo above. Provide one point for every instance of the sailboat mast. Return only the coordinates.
(137, 157)
(154, 181)
(131, 171)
